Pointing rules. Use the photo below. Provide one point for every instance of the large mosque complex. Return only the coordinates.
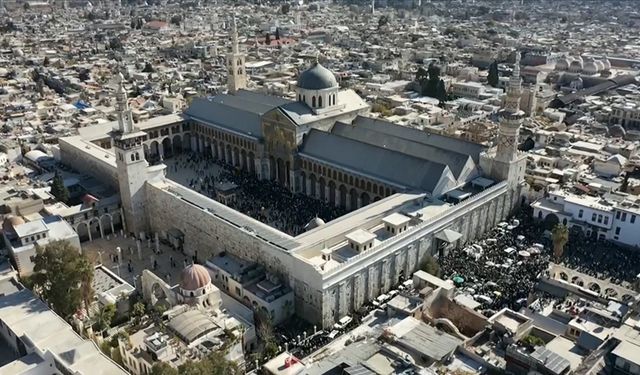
(408, 193)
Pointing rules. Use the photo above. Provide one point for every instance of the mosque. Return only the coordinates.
(409, 194)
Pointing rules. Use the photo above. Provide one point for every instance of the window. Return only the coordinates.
(617, 231)
(606, 220)
(313, 102)
(580, 213)
(618, 215)
(593, 217)
(633, 219)
(624, 216)
(320, 101)
(599, 218)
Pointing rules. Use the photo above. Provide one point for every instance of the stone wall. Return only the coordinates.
(89, 158)
(363, 278)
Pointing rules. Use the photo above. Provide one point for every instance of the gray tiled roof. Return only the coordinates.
(416, 135)
(209, 112)
(456, 161)
(377, 162)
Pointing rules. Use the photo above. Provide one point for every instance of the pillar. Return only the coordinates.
(160, 150)
(358, 202)
(308, 188)
(194, 142)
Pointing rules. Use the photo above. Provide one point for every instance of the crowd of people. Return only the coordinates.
(601, 259)
(500, 269)
(263, 200)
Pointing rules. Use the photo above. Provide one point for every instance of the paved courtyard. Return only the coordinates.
(104, 251)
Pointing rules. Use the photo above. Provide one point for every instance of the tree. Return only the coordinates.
(162, 368)
(382, 21)
(58, 189)
(285, 8)
(105, 316)
(176, 19)
(277, 33)
(45, 62)
(431, 266)
(493, 74)
(62, 276)
(267, 39)
(84, 75)
(560, 236)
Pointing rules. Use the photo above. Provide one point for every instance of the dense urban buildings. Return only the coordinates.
(319, 187)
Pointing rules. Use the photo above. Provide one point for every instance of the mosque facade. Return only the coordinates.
(410, 194)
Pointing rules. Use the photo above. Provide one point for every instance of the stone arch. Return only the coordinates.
(95, 226)
(320, 101)
(145, 149)
(353, 199)
(332, 192)
(177, 144)
(243, 159)
(313, 101)
(236, 157)
(154, 150)
(577, 280)
(322, 184)
(252, 162)
(594, 287)
(281, 171)
(272, 168)
(229, 156)
(106, 221)
(167, 147)
(626, 298)
(343, 196)
(610, 293)
(186, 141)
(82, 228)
(365, 199)
(312, 185)
(303, 183)
(564, 276)
(159, 296)
(551, 220)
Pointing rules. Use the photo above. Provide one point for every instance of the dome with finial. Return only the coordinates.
(562, 64)
(590, 67)
(576, 66)
(317, 78)
(194, 277)
(606, 63)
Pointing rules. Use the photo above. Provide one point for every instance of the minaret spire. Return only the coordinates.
(234, 36)
(125, 117)
(237, 74)
(514, 88)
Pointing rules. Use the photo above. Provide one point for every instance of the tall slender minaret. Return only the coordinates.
(131, 165)
(508, 164)
(237, 73)
(373, 6)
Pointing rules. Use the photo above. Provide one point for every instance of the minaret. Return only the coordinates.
(373, 6)
(131, 165)
(508, 164)
(237, 74)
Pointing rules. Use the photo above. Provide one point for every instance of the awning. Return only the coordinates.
(448, 235)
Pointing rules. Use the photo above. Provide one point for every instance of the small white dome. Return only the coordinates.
(562, 64)
(590, 68)
(575, 66)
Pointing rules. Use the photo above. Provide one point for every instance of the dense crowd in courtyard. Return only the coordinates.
(500, 269)
(263, 200)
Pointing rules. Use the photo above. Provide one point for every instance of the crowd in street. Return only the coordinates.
(500, 269)
(263, 200)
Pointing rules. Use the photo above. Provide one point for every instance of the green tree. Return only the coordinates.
(138, 311)
(560, 235)
(162, 368)
(493, 77)
(62, 276)
(58, 189)
(430, 265)
(46, 61)
(148, 68)
(267, 39)
(277, 33)
(104, 317)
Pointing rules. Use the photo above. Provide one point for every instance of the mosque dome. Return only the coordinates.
(606, 63)
(317, 78)
(576, 65)
(562, 64)
(12, 221)
(590, 68)
(194, 277)
(600, 65)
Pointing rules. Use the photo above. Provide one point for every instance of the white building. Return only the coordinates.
(615, 220)
(21, 238)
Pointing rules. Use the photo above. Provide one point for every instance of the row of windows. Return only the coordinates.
(622, 216)
(598, 218)
(165, 131)
(314, 104)
(346, 178)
